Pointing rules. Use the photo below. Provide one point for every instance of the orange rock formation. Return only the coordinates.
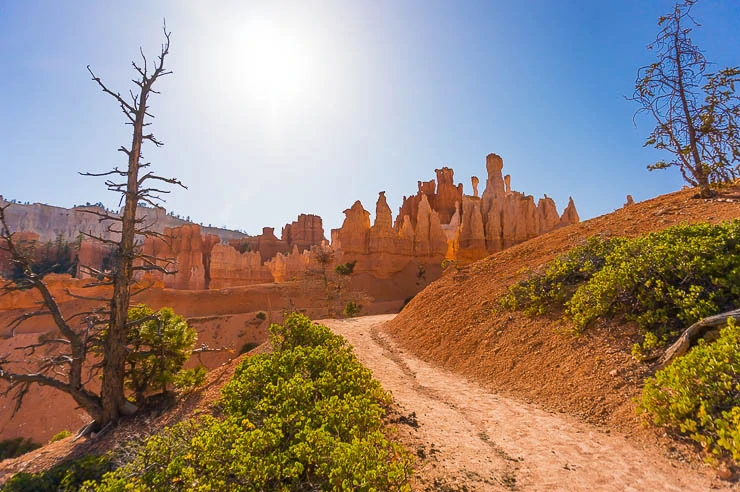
(305, 232)
(438, 222)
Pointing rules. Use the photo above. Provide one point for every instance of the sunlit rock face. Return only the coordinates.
(439, 222)
(476, 226)
(303, 233)
(178, 250)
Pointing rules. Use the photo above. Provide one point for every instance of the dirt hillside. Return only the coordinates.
(456, 321)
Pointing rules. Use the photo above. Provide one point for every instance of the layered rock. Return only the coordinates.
(472, 238)
(179, 250)
(49, 221)
(353, 235)
(570, 215)
(511, 217)
(93, 255)
(438, 222)
(304, 232)
(472, 226)
(293, 266)
(441, 194)
(429, 238)
(230, 268)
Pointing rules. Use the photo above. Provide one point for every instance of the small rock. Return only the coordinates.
(613, 372)
(724, 472)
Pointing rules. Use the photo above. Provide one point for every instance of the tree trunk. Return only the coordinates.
(113, 397)
(705, 191)
(697, 170)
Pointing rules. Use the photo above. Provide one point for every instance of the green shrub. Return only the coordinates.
(555, 284)
(650, 342)
(306, 417)
(60, 435)
(12, 448)
(188, 380)
(699, 394)
(352, 309)
(160, 345)
(298, 331)
(64, 477)
(346, 268)
(664, 281)
(261, 315)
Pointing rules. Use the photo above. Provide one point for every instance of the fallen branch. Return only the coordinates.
(693, 333)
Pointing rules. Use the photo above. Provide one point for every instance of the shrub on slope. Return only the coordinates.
(306, 417)
(699, 394)
(664, 280)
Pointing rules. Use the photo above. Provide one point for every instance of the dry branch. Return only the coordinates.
(693, 333)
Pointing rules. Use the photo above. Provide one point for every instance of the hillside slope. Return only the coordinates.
(457, 322)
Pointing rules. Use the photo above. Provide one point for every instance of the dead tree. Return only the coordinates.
(697, 113)
(100, 334)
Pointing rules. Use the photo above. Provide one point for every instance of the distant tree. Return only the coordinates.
(98, 339)
(332, 280)
(346, 268)
(697, 111)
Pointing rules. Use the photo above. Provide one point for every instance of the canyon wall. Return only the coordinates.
(49, 221)
(439, 222)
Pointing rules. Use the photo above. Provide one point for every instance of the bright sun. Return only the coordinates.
(276, 64)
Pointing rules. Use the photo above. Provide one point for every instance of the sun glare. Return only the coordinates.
(275, 64)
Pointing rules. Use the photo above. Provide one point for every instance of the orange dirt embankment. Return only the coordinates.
(223, 318)
(456, 322)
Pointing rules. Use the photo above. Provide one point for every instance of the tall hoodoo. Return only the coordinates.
(438, 222)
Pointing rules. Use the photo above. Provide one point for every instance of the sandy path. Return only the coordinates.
(470, 439)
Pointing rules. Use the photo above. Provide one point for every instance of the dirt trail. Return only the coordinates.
(470, 439)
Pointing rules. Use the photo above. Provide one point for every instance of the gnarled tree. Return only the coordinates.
(697, 111)
(96, 340)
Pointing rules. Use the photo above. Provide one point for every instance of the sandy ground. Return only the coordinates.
(469, 439)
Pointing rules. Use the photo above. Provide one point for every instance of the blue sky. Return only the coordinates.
(279, 108)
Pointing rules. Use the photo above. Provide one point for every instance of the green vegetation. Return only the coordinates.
(59, 256)
(60, 435)
(559, 279)
(68, 476)
(187, 380)
(243, 247)
(699, 394)
(11, 448)
(306, 417)
(160, 344)
(345, 268)
(352, 309)
(664, 281)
